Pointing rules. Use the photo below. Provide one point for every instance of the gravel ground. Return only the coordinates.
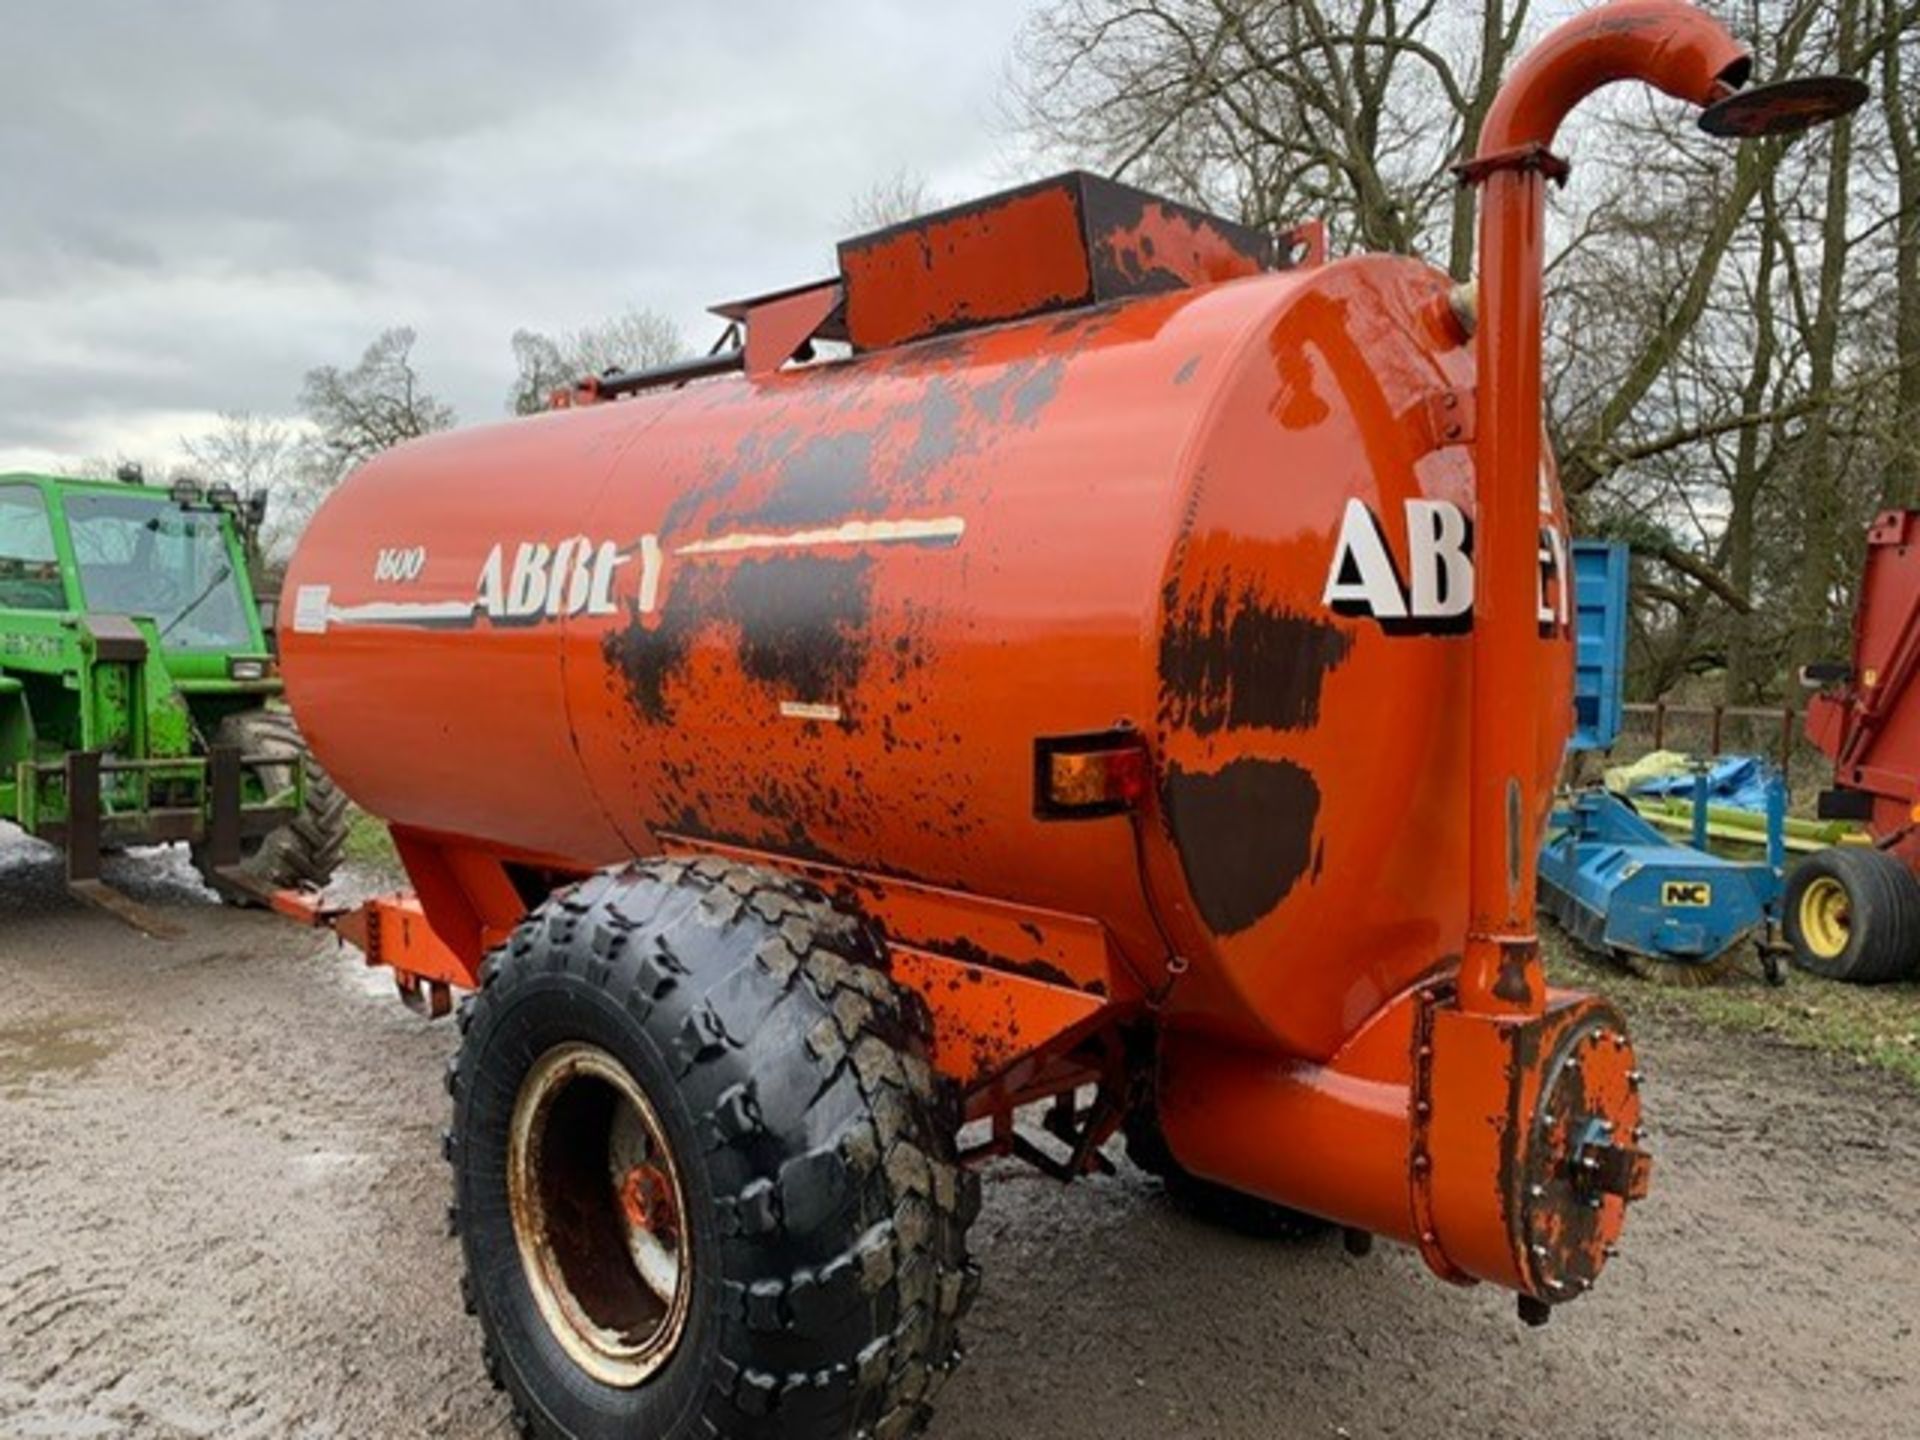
(221, 1214)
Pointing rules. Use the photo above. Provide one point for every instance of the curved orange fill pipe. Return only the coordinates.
(1682, 50)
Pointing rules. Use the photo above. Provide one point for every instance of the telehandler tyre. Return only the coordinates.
(1853, 913)
(704, 1175)
(306, 850)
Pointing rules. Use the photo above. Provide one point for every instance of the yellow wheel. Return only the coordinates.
(1824, 918)
(1853, 913)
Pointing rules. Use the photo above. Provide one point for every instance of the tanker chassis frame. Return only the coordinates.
(815, 1035)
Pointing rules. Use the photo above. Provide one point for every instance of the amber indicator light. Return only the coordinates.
(1084, 776)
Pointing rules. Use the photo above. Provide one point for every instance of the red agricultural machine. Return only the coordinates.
(1853, 912)
(1130, 683)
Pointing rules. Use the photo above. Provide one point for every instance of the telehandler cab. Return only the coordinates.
(137, 690)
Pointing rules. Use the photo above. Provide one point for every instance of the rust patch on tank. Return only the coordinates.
(647, 658)
(824, 479)
(977, 957)
(939, 436)
(803, 623)
(780, 837)
(756, 452)
(890, 455)
(1231, 660)
(1034, 393)
(1020, 392)
(1142, 244)
(1245, 836)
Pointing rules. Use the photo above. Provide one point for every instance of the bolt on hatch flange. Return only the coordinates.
(1584, 1162)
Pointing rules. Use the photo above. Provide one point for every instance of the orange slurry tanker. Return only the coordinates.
(1129, 683)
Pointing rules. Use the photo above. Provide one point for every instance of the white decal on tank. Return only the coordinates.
(399, 565)
(519, 582)
(649, 573)
(531, 580)
(311, 609)
(1364, 579)
(401, 612)
(573, 577)
(801, 710)
(948, 528)
(1442, 569)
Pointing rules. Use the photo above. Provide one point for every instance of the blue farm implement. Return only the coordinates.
(1618, 885)
(1613, 881)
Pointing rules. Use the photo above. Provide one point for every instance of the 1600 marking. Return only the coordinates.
(399, 565)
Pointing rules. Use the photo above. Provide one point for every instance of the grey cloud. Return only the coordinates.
(199, 200)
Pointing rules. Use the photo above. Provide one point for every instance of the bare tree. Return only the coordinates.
(255, 455)
(1900, 484)
(1750, 470)
(632, 340)
(1725, 392)
(1820, 321)
(249, 452)
(1353, 110)
(903, 195)
(1734, 347)
(372, 406)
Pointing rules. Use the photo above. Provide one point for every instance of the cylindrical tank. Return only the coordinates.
(828, 612)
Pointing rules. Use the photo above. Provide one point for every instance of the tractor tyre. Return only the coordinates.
(1205, 1200)
(705, 1180)
(1853, 914)
(304, 852)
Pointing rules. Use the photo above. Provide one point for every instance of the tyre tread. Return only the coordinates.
(305, 852)
(1884, 897)
(857, 1343)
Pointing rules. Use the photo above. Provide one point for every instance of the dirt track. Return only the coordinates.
(221, 1214)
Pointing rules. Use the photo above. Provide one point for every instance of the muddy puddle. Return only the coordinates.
(62, 1049)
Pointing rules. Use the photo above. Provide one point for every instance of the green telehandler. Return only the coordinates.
(138, 691)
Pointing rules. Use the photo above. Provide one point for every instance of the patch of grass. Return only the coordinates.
(368, 842)
(1877, 1025)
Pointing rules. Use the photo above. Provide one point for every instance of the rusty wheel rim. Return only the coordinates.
(599, 1215)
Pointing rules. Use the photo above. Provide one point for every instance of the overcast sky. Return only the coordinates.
(201, 199)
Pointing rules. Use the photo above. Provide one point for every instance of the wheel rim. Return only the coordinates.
(1826, 922)
(599, 1215)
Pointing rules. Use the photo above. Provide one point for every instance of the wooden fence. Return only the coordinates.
(1716, 716)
